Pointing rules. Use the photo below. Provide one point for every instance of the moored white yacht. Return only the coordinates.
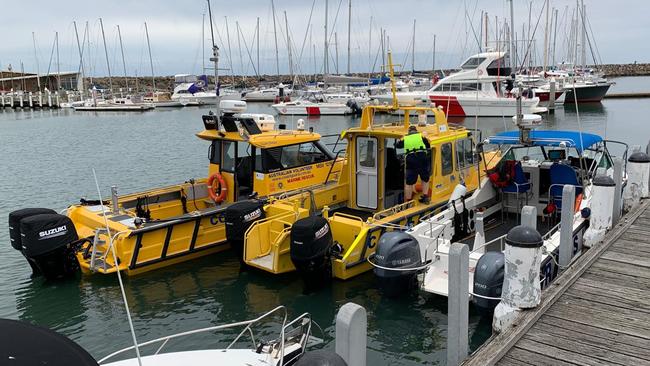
(315, 104)
(479, 89)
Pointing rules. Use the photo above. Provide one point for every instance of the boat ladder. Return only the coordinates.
(95, 262)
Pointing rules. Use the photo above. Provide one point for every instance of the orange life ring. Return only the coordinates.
(222, 188)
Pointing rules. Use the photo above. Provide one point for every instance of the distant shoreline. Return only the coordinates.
(167, 82)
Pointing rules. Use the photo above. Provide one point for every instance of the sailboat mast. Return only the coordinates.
(241, 59)
(232, 71)
(555, 11)
(258, 46)
(203, 45)
(38, 73)
(583, 8)
(336, 51)
(546, 30)
(513, 55)
(286, 27)
(153, 76)
(58, 65)
(108, 65)
(433, 63)
(325, 66)
(215, 59)
(126, 79)
(275, 36)
(81, 61)
(349, 31)
(413, 49)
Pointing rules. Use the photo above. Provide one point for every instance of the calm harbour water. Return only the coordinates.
(47, 159)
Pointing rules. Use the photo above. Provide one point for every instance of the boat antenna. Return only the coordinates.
(119, 276)
(215, 59)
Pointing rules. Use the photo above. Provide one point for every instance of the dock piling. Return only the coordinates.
(457, 304)
(479, 236)
(618, 191)
(566, 225)
(351, 334)
(529, 216)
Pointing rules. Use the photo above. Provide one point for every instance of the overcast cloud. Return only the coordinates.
(621, 31)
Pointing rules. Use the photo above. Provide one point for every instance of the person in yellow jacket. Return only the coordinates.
(418, 163)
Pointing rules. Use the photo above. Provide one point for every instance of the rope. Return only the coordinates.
(119, 276)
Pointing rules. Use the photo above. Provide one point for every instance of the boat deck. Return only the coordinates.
(596, 313)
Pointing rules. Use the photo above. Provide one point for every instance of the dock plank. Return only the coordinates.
(597, 312)
(626, 258)
(604, 265)
(580, 347)
(593, 330)
(527, 357)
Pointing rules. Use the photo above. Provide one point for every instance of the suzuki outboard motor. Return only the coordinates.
(239, 217)
(399, 251)
(14, 228)
(488, 280)
(311, 250)
(49, 244)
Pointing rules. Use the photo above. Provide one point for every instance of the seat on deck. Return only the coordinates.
(519, 186)
(562, 175)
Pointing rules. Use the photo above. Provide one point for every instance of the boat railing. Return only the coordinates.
(247, 328)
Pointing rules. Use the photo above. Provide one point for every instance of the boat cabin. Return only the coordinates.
(539, 169)
(254, 158)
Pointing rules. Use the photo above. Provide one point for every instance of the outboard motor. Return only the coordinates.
(399, 251)
(354, 106)
(311, 250)
(488, 280)
(14, 228)
(49, 242)
(239, 217)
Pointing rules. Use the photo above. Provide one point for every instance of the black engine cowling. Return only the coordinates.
(321, 357)
(311, 249)
(48, 242)
(488, 280)
(239, 217)
(14, 223)
(399, 251)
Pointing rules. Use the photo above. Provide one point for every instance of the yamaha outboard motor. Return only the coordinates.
(399, 251)
(49, 242)
(488, 280)
(311, 250)
(239, 217)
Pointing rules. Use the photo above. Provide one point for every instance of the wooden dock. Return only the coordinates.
(627, 95)
(597, 312)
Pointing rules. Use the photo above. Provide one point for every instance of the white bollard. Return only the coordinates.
(351, 334)
(529, 216)
(602, 210)
(638, 176)
(521, 287)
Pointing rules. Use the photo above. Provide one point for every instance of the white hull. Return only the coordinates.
(312, 109)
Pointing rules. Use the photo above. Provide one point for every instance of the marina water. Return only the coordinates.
(47, 158)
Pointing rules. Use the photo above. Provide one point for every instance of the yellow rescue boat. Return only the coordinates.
(331, 230)
(159, 227)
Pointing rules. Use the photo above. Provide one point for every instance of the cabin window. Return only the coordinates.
(367, 151)
(525, 153)
(214, 152)
(228, 161)
(446, 154)
(287, 157)
(464, 153)
(472, 63)
(460, 86)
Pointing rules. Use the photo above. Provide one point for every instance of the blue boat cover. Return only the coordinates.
(549, 138)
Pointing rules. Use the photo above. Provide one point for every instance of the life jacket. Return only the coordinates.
(503, 174)
(413, 143)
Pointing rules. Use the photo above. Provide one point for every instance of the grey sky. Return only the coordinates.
(620, 29)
